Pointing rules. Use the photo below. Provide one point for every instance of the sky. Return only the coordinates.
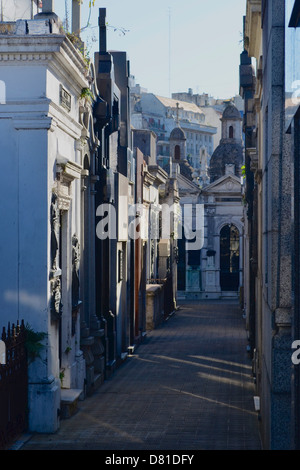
(172, 45)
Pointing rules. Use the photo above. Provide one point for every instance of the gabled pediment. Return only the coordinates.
(186, 184)
(225, 184)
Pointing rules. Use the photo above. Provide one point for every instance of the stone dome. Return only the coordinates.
(177, 134)
(226, 154)
(231, 112)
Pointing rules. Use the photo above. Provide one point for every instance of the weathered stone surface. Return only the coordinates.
(226, 153)
(154, 305)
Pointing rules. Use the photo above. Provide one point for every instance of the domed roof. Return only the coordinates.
(231, 112)
(177, 134)
(186, 170)
(226, 154)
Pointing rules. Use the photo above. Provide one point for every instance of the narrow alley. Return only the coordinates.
(188, 386)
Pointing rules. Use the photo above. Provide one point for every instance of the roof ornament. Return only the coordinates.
(177, 114)
(102, 30)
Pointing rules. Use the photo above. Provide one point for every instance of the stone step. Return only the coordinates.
(229, 295)
(69, 402)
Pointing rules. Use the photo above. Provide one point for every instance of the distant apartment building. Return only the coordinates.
(205, 100)
(199, 116)
(211, 107)
(161, 115)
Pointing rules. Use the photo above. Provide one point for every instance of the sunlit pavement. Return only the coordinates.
(187, 387)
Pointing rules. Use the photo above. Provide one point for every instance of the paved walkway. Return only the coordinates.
(187, 387)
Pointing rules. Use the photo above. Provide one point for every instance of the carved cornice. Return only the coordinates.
(253, 155)
(25, 57)
(69, 171)
(66, 173)
(254, 162)
(148, 178)
(161, 176)
(253, 27)
(56, 50)
(34, 123)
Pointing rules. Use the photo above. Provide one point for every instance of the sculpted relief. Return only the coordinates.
(75, 271)
(55, 272)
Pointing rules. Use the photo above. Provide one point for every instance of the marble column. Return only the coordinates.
(76, 17)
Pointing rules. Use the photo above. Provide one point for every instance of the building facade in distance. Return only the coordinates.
(213, 268)
(161, 115)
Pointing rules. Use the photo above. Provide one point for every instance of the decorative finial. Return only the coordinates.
(177, 114)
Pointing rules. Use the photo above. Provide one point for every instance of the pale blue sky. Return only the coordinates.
(173, 45)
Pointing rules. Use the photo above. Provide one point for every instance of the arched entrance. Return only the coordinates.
(229, 258)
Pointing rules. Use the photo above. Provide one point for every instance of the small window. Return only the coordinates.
(177, 152)
(2, 353)
(231, 132)
(2, 92)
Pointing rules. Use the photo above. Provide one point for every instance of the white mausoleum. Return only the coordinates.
(214, 270)
(44, 130)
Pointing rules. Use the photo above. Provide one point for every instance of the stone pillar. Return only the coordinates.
(48, 6)
(102, 30)
(48, 13)
(164, 258)
(154, 305)
(76, 17)
(212, 272)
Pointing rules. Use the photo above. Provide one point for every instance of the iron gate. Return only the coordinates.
(13, 385)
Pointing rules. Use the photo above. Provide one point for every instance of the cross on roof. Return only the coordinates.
(177, 114)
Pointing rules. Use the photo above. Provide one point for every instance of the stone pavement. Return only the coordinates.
(188, 386)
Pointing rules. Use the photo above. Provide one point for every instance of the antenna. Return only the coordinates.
(169, 52)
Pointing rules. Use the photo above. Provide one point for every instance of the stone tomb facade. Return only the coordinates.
(215, 270)
(48, 151)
